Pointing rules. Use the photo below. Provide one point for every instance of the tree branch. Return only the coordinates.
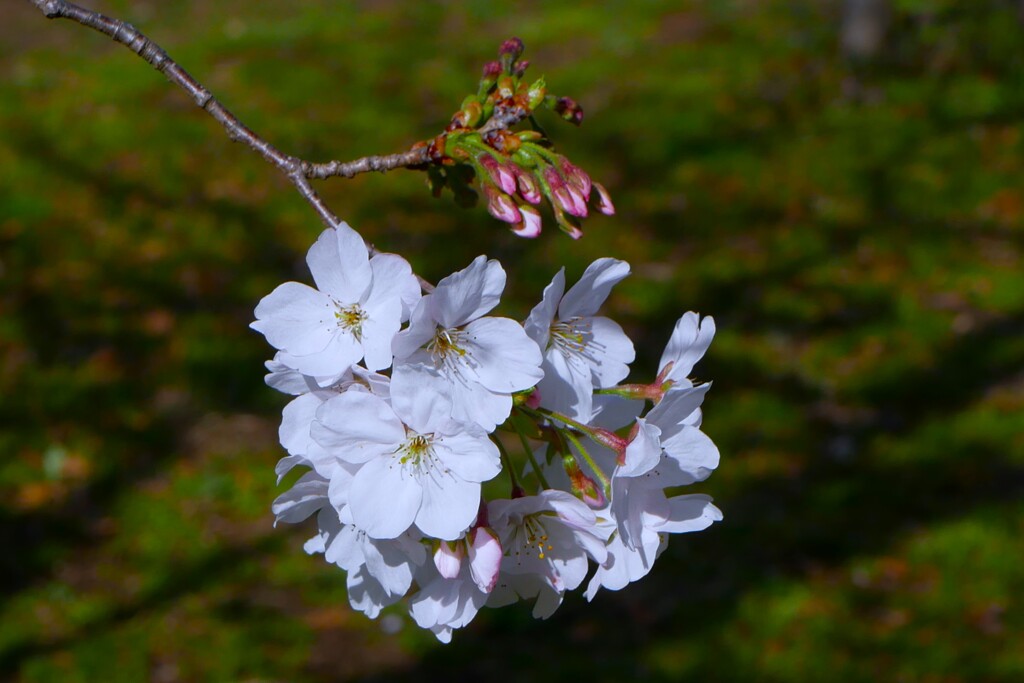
(297, 170)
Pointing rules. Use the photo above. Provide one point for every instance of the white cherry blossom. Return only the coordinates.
(582, 351)
(413, 464)
(451, 355)
(352, 315)
(546, 540)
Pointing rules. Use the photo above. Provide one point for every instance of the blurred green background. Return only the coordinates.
(841, 184)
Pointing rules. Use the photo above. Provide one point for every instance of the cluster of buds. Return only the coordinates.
(517, 170)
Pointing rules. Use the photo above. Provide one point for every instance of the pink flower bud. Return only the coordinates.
(568, 224)
(528, 188)
(533, 400)
(604, 200)
(579, 204)
(500, 174)
(530, 227)
(512, 47)
(561, 195)
(448, 558)
(492, 70)
(519, 68)
(500, 205)
(576, 176)
(567, 108)
(485, 555)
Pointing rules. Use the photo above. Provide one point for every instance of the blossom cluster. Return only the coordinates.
(406, 404)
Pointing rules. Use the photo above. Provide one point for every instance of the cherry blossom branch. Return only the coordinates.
(297, 170)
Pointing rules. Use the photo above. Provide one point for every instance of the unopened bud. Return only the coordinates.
(604, 200)
(529, 135)
(567, 108)
(490, 76)
(579, 204)
(570, 225)
(528, 188)
(448, 558)
(519, 68)
(531, 224)
(533, 400)
(500, 205)
(575, 176)
(562, 194)
(501, 174)
(510, 51)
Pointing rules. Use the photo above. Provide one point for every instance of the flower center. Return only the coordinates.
(532, 538)
(444, 344)
(417, 457)
(448, 351)
(570, 336)
(351, 319)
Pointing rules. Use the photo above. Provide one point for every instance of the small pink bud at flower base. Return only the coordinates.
(500, 174)
(604, 201)
(528, 188)
(575, 176)
(530, 227)
(501, 206)
(533, 400)
(448, 558)
(519, 68)
(485, 555)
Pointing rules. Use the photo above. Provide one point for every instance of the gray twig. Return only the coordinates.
(298, 171)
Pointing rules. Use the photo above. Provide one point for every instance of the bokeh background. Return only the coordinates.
(840, 183)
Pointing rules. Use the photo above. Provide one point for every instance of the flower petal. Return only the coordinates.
(586, 296)
(392, 276)
(378, 332)
(538, 323)
(340, 264)
(384, 499)
(694, 512)
(506, 359)
(296, 419)
(449, 506)
(466, 451)
(296, 318)
(689, 341)
(609, 352)
(469, 293)
(357, 426)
